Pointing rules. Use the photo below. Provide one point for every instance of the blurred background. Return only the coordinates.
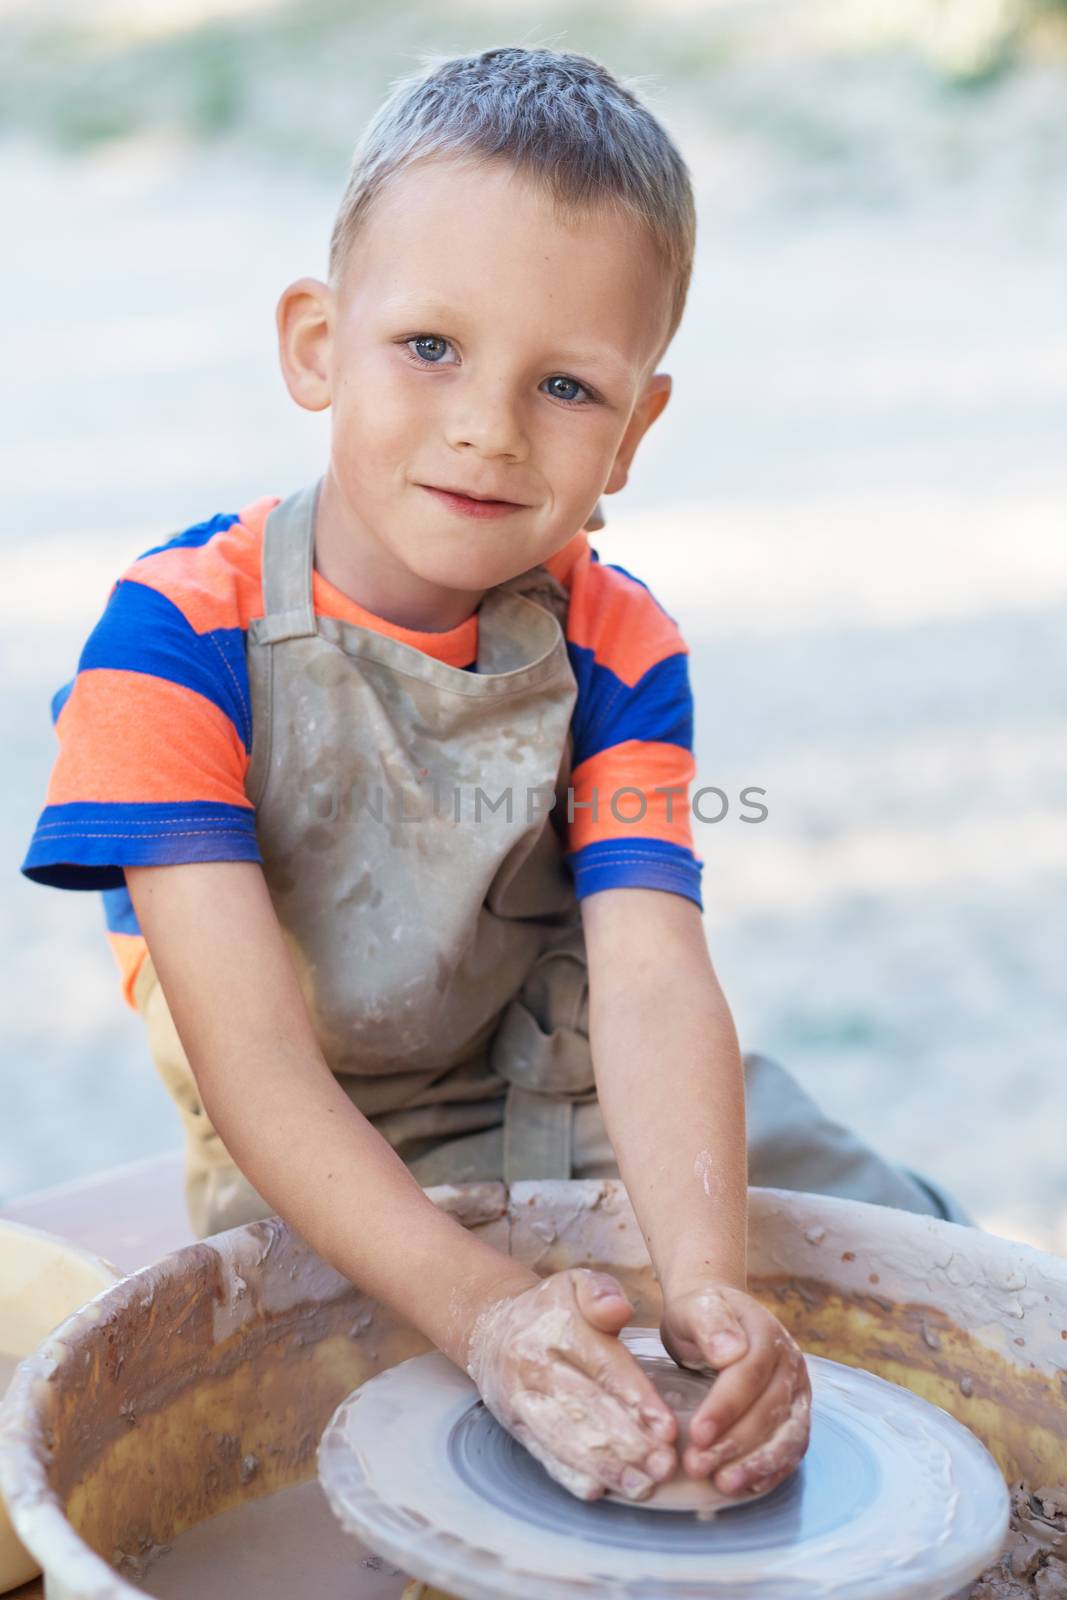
(854, 504)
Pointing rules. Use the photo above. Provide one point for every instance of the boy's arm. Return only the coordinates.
(233, 991)
(671, 1085)
(670, 1082)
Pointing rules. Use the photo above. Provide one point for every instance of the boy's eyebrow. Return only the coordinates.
(596, 356)
(428, 306)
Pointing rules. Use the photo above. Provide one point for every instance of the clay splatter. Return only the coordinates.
(1033, 1565)
(706, 1175)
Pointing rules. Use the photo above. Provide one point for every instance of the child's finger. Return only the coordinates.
(608, 1362)
(599, 1413)
(611, 1366)
(736, 1389)
(767, 1411)
(561, 1438)
(761, 1469)
(601, 1299)
(581, 1484)
(717, 1330)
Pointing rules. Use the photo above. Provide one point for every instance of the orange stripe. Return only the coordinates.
(254, 514)
(456, 647)
(214, 585)
(640, 764)
(131, 738)
(129, 950)
(620, 622)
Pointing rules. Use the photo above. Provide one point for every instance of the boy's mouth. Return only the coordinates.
(470, 505)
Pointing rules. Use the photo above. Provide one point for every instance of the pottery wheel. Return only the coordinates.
(894, 1500)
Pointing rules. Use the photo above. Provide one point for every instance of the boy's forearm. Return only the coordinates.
(314, 1157)
(285, 1119)
(671, 1087)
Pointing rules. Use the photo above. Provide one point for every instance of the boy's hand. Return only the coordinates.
(550, 1368)
(754, 1426)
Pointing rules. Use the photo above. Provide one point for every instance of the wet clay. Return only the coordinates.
(684, 1392)
(284, 1546)
(1033, 1565)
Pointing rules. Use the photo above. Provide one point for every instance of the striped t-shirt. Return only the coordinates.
(155, 727)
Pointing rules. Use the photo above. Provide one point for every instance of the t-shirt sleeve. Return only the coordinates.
(154, 736)
(632, 761)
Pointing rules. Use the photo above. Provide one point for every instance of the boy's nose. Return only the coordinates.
(490, 424)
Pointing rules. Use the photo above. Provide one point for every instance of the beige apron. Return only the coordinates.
(436, 934)
(402, 816)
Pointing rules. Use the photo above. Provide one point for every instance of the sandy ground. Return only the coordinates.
(854, 507)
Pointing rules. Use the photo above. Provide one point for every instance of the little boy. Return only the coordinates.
(310, 756)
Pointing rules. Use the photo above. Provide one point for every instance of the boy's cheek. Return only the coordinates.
(375, 450)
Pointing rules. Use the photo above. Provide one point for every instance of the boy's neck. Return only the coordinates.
(373, 577)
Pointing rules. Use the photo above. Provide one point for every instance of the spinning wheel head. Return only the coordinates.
(894, 1500)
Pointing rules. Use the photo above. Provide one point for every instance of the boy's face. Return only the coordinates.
(474, 343)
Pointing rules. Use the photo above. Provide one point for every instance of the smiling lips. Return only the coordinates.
(470, 505)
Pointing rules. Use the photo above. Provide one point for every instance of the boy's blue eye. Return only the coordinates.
(427, 338)
(574, 385)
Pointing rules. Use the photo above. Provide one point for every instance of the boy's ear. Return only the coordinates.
(304, 319)
(656, 394)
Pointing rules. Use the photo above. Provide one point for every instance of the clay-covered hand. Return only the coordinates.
(551, 1369)
(754, 1426)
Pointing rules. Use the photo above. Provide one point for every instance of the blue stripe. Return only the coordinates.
(635, 864)
(142, 630)
(86, 844)
(119, 914)
(59, 700)
(195, 536)
(659, 706)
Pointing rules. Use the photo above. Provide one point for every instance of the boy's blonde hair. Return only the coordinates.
(560, 119)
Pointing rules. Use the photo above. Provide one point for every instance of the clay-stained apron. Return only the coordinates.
(402, 814)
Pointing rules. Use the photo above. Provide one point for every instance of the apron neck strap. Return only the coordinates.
(288, 561)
